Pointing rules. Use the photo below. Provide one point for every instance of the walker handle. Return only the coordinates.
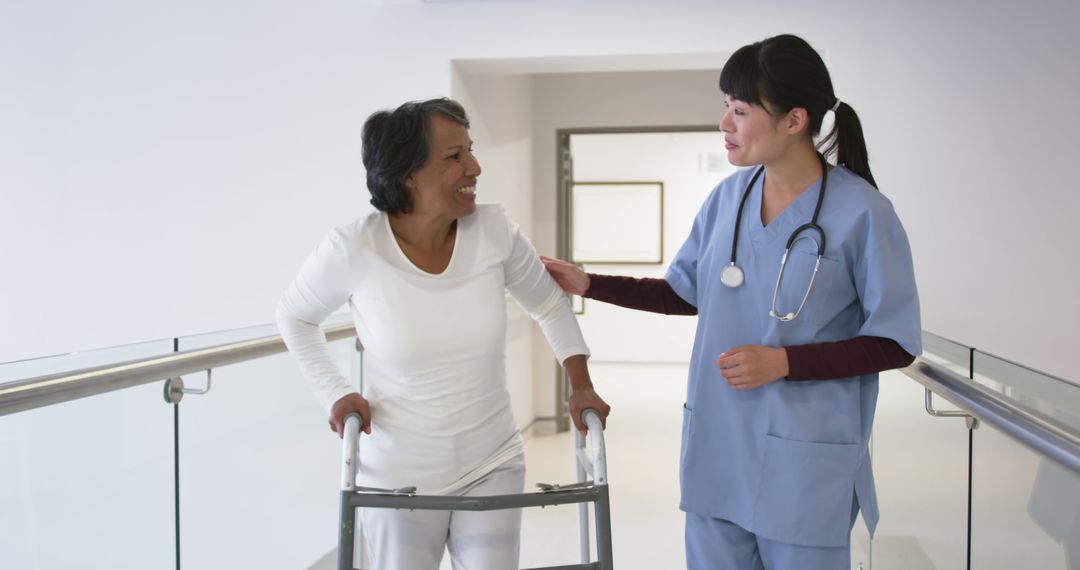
(595, 467)
(598, 466)
(349, 444)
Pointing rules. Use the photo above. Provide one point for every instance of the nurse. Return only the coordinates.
(801, 276)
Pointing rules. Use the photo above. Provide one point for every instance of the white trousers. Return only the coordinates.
(416, 540)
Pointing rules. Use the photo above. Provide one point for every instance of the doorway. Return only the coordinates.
(627, 201)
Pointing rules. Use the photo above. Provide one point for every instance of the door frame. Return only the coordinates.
(564, 179)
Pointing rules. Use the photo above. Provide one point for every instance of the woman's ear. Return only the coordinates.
(798, 120)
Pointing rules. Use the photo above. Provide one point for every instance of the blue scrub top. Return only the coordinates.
(789, 460)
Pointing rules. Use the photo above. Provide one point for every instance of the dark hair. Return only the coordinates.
(787, 73)
(395, 144)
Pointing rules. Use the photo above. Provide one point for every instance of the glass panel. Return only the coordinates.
(1025, 509)
(950, 354)
(89, 483)
(259, 466)
(1053, 397)
(93, 475)
(204, 340)
(920, 466)
(31, 368)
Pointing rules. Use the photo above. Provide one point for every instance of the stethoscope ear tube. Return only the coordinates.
(776, 290)
(732, 276)
(795, 235)
(738, 222)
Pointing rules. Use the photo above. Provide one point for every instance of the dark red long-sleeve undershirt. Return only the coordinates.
(821, 361)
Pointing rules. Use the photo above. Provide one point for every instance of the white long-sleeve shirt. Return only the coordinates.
(435, 344)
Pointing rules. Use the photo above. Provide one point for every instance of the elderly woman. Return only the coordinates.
(425, 278)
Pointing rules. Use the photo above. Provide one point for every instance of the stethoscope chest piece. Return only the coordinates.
(731, 276)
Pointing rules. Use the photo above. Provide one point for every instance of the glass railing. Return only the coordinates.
(89, 479)
(255, 490)
(1025, 510)
(1029, 389)
(921, 472)
(234, 478)
(237, 478)
(948, 353)
(998, 493)
(22, 369)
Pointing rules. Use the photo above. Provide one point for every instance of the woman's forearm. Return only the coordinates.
(307, 345)
(578, 371)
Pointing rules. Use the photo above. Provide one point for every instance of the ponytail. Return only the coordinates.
(847, 142)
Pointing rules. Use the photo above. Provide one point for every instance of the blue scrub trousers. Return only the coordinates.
(717, 544)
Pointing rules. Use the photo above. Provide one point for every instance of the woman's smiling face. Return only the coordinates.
(445, 186)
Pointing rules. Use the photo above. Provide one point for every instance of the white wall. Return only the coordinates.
(972, 139)
(164, 168)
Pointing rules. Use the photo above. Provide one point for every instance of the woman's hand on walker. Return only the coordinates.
(350, 404)
(569, 276)
(585, 399)
(749, 367)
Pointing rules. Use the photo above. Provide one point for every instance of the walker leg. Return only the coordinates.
(603, 528)
(582, 508)
(345, 533)
(583, 532)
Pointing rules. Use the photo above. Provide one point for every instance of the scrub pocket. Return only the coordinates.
(806, 492)
(832, 293)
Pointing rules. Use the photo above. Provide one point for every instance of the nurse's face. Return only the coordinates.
(445, 186)
(751, 134)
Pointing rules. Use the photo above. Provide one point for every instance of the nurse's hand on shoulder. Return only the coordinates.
(749, 367)
(569, 276)
(350, 404)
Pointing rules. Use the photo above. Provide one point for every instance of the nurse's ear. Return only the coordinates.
(796, 121)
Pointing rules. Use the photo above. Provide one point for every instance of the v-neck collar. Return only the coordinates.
(397, 247)
(797, 213)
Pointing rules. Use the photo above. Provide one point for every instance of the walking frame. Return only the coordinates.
(584, 491)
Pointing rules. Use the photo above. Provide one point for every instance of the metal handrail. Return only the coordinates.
(1045, 435)
(51, 389)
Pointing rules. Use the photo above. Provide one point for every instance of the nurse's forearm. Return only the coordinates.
(853, 357)
(643, 294)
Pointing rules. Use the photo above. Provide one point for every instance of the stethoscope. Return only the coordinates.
(732, 276)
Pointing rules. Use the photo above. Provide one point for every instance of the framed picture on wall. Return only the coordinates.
(617, 222)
